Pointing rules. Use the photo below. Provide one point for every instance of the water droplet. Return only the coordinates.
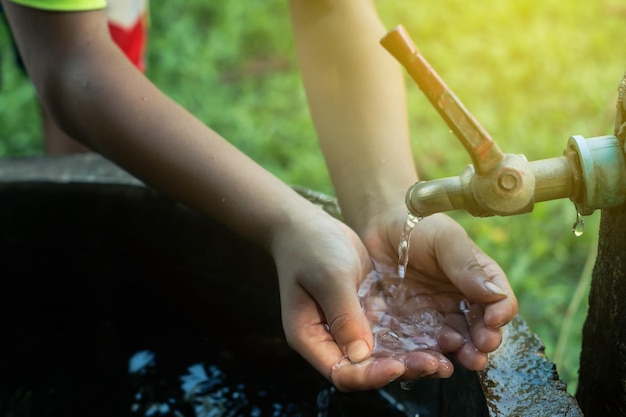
(406, 385)
(323, 401)
(578, 228)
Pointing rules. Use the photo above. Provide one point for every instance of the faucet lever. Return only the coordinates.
(482, 149)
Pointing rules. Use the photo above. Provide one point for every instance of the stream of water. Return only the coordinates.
(403, 318)
(405, 243)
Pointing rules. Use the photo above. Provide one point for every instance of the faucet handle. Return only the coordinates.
(482, 149)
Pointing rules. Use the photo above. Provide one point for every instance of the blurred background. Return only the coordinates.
(533, 72)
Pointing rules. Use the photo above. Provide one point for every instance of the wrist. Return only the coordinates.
(362, 206)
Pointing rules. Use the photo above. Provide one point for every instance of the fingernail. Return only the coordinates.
(358, 351)
(498, 325)
(341, 362)
(398, 374)
(395, 376)
(494, 289)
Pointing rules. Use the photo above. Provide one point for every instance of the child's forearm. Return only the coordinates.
(357, 99)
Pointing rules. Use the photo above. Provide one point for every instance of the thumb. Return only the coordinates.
(478, 277)
(475, 274)
(480, 282)
(348, 324)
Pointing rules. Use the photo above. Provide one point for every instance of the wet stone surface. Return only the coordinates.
(521, 381)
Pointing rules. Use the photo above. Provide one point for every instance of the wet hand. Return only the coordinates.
(321, 264)
(460, 281)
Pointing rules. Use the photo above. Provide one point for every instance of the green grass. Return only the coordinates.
(533, 72)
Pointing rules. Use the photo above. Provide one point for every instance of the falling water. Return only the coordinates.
(403, 318)
(405, 243)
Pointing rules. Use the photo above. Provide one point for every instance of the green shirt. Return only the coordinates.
(63, 5)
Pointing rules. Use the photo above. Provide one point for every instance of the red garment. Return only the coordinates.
(132, 40)
(128, 25)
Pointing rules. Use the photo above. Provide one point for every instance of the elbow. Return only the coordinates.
(64, 93)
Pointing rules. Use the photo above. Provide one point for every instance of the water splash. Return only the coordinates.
(405, 243)
(323, 401)
(402, 318)
(407, 385)
(578, 228)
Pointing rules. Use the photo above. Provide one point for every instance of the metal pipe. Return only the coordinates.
(554, 179)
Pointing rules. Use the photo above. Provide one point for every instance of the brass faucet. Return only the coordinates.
(591, 172)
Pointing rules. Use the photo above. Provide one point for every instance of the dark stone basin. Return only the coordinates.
(117, 301)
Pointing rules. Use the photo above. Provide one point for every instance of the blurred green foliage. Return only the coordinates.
(533, 72)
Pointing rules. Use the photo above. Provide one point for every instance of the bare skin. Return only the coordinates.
(356, 96)
(56, 141)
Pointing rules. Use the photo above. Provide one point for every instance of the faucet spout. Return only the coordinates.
(484, 196)
(446, 194)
